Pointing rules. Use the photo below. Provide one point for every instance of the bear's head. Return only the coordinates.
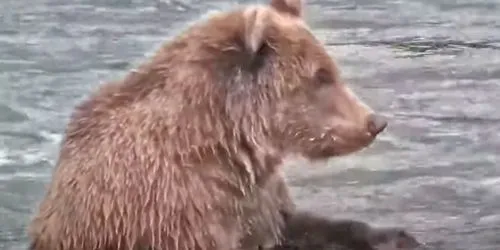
(311, 110)
(258, 76)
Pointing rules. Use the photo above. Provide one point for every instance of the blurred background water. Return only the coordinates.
(432, 66)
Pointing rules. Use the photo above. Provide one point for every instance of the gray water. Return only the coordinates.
(432, 66)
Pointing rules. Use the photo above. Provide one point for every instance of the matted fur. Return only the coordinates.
(178, 154)
(307, 231)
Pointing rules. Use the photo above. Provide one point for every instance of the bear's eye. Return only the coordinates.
(401, 234)
(323, 77)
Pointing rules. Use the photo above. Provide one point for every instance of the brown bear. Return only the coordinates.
(305, 231)
(178, 154)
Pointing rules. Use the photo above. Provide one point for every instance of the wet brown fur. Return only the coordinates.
(305, 231)
(177, 154)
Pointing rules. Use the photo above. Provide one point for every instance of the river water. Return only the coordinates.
(431, 66)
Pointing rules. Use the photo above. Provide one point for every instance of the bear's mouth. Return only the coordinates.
(348, 140)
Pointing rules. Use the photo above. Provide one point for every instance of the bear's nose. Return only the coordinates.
(376, 124)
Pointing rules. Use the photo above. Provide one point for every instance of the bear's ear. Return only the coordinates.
(256, 23)
(290, 7)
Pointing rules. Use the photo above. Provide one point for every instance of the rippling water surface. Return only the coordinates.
(432, 66)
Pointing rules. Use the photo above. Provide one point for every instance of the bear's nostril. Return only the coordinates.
(376, 124)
